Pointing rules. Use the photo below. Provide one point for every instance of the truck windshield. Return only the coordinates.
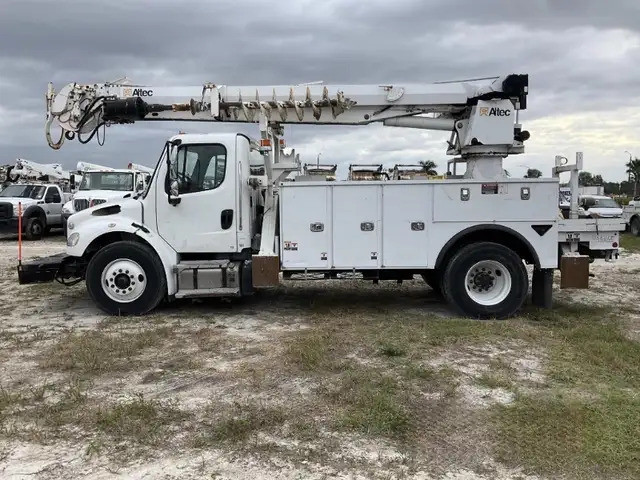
(605, 202)
(35, 192)
(119, 181)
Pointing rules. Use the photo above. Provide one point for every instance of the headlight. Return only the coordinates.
(15, 210)
(72, 240)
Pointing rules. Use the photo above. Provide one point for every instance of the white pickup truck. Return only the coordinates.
(41, 208)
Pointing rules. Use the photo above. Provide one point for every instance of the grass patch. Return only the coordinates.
(371, 403)
(239, 424)
(493, 381)
(594, 355)
(311, 351)
(430, 379)
(9, 399)
(69, 413)
(572, 437)
(391, 350)
(96, 352)
(208, 339)
(586, 422)
(142, 421)
(630, 242)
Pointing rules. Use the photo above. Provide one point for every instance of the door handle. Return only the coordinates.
(226, 219)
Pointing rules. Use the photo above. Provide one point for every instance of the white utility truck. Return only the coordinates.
(36, 192)
(207, 227)
(631, 216)
(101, 184)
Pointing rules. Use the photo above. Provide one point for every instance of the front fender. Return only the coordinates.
(92, 229)
(34, 211)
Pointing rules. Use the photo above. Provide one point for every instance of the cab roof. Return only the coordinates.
(228, 138)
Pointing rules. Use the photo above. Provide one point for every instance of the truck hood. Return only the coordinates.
(129, 207)
(26, 202)
(100, 194)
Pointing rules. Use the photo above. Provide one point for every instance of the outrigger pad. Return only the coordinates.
(40, 270)
(265, 271)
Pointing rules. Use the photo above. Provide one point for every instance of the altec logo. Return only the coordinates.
(137, 92)
(494, 112)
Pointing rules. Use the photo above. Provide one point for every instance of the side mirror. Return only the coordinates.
(174, 193)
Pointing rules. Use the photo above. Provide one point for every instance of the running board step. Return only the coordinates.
(208, 292)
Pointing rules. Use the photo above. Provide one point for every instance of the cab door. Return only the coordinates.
(202, 219)
(53, 206)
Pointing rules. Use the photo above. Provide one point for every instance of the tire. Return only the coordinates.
(433, 278)
(486, 280)
(126, 278)
(634, 226)
(34, 228)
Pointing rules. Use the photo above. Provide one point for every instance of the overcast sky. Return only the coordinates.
(583, 58)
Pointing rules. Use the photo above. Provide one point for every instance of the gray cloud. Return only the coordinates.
(583, 56)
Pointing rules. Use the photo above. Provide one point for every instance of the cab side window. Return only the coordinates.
(199, 167)
(53, 195)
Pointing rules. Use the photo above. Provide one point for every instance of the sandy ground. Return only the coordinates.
(38, 316)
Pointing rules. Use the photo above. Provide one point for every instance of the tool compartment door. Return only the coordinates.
(406, 218)
(356, 226)
(305, 232)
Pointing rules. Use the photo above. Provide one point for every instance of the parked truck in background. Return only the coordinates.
(102, 184)
(39, 205)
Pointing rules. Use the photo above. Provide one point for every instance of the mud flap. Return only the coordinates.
(542, 287)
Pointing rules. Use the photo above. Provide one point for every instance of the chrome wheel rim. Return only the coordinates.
(123, 280)
(488, 282)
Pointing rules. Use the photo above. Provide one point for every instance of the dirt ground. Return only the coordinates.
(311, 380)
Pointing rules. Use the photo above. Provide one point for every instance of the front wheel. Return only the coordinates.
(486, 280)
(126, 278)
(634, 227)
(34, 229)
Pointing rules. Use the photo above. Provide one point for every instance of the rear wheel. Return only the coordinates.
(34, 229)
(486, 280)
(634, 227)
(126, 278)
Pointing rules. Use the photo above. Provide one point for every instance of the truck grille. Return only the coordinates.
(80, 204)
(6, 210)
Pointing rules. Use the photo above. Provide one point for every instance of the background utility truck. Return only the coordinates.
(101, 184)
(207, 227)
(36, 192)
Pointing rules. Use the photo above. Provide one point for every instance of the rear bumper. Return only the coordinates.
(9, 225)
(47, 269)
